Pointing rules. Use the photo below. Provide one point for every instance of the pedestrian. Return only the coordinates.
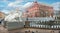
(52, 31)
(32, 32)
(36, 31)
(59, 31)
(26, 32)
(0, 22)
(29, 31)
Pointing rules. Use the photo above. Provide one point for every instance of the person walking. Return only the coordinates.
(52, 32)
(59, 31)
(26, 32)
(36, 31)
(32, 32)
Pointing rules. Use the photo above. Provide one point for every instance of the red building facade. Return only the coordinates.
(39, 10)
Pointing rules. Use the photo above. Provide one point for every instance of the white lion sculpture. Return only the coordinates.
(13, 15)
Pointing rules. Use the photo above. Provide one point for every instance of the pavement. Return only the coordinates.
(3, 30)
(29, 30)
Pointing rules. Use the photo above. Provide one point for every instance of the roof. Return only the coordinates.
(40, 3)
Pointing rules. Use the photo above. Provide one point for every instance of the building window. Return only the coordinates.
(42, 13)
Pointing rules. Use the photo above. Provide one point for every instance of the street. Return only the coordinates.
(3, 30)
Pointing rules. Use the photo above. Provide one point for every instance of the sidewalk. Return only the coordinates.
(29, 30)
(3, 30)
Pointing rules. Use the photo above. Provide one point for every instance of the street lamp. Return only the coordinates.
(27, 16)
(27, 23)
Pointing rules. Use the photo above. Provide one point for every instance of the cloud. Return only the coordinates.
(12, 4)
(27, 5)
(5, 11)
(57, 3)
(18, 2)
(8, 5)
(56, 6)
(21, 7)
(3, 0)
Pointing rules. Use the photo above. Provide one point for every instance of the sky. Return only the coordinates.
(8, 5)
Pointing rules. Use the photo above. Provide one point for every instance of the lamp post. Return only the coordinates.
(27, 23)
(27, 16)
